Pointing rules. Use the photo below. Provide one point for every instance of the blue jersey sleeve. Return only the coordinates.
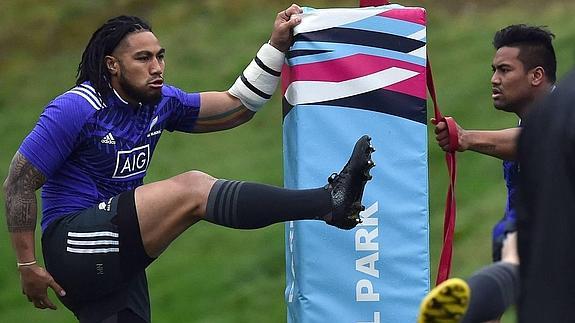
(56, 133)
(184, 109)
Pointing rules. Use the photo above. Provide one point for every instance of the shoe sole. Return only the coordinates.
(357, 166)
(446, 303)
(367, 149)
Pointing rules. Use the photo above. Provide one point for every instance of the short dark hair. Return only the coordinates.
(103, 42)
(535, 46)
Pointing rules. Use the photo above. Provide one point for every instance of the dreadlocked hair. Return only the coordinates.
(103, 42)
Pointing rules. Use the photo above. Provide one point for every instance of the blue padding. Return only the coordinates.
(378, 271)
(386, 25)
(322, 278)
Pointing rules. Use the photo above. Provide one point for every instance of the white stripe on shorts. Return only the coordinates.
(93, 234)
(97, 250)
(93, 243)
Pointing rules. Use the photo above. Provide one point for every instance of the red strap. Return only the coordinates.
(450, 210)
(453, 133)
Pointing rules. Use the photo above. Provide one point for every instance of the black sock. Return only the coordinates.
(245, 205)
(493, 290)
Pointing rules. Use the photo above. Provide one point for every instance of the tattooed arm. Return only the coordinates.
(21, 212)
(220, 111)
(501, 144)
(20, 192)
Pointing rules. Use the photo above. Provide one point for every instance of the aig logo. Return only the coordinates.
(132, 162)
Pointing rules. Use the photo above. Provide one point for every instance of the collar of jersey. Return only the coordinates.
(120, 101)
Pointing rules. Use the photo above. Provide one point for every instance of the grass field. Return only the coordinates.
(213, 274)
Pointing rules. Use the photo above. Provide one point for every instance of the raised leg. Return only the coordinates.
(167, 208)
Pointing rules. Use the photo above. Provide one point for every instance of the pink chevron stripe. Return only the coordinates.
(347, 68)
(352, 67)
(414, 86)
(286, 76)
(416, 16)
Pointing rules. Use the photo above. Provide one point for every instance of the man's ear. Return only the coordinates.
(537, 76)
(111, 64)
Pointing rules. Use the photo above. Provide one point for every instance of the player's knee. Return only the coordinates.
(198, 179)
(196, 186)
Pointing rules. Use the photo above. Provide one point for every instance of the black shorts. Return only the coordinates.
(97, 256)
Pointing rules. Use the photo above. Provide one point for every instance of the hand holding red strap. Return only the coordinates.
(453, 134)
(452, 130)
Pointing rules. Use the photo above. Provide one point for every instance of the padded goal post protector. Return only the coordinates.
(352, 72)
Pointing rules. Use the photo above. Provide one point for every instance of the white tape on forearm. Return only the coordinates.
(260, 78)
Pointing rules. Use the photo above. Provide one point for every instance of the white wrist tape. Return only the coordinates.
(260, 79)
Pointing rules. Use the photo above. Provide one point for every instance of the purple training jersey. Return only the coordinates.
(508, 222)
(90, 151)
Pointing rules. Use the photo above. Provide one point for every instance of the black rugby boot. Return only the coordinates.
(346, 188)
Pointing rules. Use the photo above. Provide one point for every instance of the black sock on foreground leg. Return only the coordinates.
(493, 290)
(245, 205)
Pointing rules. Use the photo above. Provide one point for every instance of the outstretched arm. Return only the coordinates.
(21, 212)
(497, 143)
(501, 144)
(255, 86)
(220, 111)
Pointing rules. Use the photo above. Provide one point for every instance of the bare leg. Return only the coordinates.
(509, 251)
(167, 208)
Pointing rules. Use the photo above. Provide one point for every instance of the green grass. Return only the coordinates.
(212, 274)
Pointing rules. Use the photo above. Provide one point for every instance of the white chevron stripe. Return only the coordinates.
(89, 87)
(420, 52)
(88, 92)
(93, 234)
(98, 250)
(86, 97)
(303, 92)
(418, 35)
(93, 243)
(320, 19)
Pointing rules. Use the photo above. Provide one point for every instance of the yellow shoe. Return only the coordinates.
(446, 303)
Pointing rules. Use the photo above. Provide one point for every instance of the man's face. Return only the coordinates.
(137, 67)
(511, 83)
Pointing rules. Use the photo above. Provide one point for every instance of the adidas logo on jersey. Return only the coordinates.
(108, 139)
